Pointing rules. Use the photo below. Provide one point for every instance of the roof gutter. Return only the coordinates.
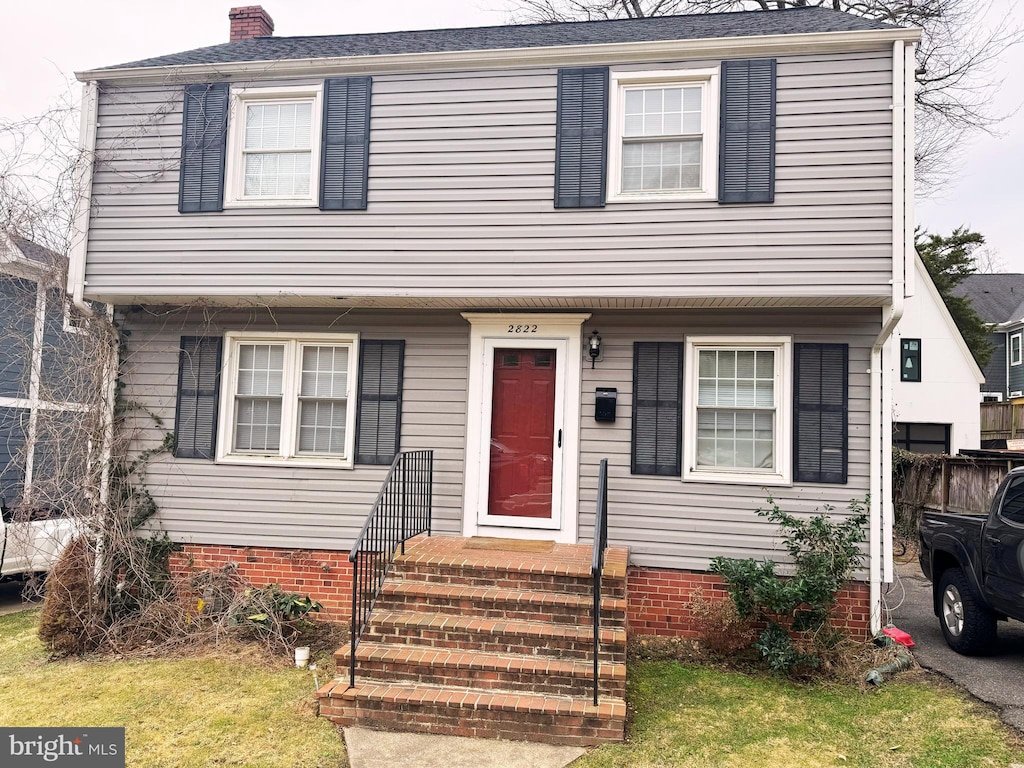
(880, 508)
(561, 55)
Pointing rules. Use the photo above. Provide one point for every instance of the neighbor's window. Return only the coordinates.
(1015, 349)
(289, 398)
(738, 401)
(273, 147)
(665, 134)
(921, 438)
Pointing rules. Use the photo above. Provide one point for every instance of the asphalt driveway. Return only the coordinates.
(996, 679)
(11, 599)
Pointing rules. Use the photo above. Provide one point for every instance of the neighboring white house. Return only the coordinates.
(935, 405)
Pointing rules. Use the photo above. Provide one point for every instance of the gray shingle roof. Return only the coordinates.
(996, 298)
(34, 251)
(690, 27)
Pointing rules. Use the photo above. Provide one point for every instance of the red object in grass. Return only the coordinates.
(899, 636)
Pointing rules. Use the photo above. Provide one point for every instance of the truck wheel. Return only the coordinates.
(969, 628)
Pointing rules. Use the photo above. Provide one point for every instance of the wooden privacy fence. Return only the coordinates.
(961, 484)
(1002, 421)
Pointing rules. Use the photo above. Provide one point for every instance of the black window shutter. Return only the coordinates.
(195, 418)
(204, 126)
(345, 144)
(820, 413)
(379, 412)
(581, 137)
(657, 408)
(746, 151)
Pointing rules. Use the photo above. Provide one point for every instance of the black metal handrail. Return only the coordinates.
(597, 564)
(402, 510)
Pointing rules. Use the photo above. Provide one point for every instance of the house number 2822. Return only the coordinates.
(522, 329)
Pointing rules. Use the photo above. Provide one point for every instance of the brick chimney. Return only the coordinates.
(250, 21)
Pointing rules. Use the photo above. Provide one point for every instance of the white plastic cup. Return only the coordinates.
(302, 656)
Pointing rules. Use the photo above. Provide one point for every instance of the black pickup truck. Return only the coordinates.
(976, 566)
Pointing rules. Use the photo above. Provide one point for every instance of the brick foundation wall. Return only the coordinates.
(324, 575)
(659, 602)
(659, 598)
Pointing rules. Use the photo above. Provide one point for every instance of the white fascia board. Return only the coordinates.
(559, 55)
(929, 284)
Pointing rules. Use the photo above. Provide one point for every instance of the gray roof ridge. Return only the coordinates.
(516, 36)
(535, 24)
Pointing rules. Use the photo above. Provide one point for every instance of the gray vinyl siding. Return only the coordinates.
(664, 521)
(296, 507)
(461, 203)
(674, 524)
(995, 371)
(17, 318)
(1015, 378)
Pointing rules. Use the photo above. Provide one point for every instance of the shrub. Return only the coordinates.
(271, 612)
(824, 555)
(720, 628)
(67, 626)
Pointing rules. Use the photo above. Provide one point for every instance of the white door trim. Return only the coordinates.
(491, 330)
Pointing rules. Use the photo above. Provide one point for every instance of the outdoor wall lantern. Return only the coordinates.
(594, 347)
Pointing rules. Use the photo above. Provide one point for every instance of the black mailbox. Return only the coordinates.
(604, 403)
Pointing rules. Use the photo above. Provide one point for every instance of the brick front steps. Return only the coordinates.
(490, 643)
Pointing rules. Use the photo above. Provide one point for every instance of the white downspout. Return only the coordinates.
(880, 510)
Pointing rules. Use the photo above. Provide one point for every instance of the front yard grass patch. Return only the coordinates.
(221, 709)
(700, 717)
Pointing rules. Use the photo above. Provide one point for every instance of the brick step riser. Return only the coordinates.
(532, 682)
(566, 648)
(566, 730)
(509, 610)
(507, 579)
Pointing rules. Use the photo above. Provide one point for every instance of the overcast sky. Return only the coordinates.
(48, 40)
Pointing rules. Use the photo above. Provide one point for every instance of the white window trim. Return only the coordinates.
(620, 81)
(287, 455)
(1019, 336)
(234, 169)
(783, 473)
(997, 395)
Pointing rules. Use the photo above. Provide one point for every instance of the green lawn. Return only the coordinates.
(700, 717)
(208, 711)
(239, 710)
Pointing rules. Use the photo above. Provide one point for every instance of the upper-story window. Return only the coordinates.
(273, 147)
(1015, 349)
(663, 135)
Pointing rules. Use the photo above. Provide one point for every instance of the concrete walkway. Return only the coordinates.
(370, 749)
(997, 680)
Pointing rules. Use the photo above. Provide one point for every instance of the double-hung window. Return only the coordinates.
(289, 399)
(664, 138)
(738, 396)
(1015, 348)
(274, 146)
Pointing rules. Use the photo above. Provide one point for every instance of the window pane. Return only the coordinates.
(324, 372)
(735, 439)
(322, 426)
(661, 165)
(735, 408)
(260, 369)
(282, 174)
(258, 424)
(278, 126)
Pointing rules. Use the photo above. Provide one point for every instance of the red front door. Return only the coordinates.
(522, 433)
